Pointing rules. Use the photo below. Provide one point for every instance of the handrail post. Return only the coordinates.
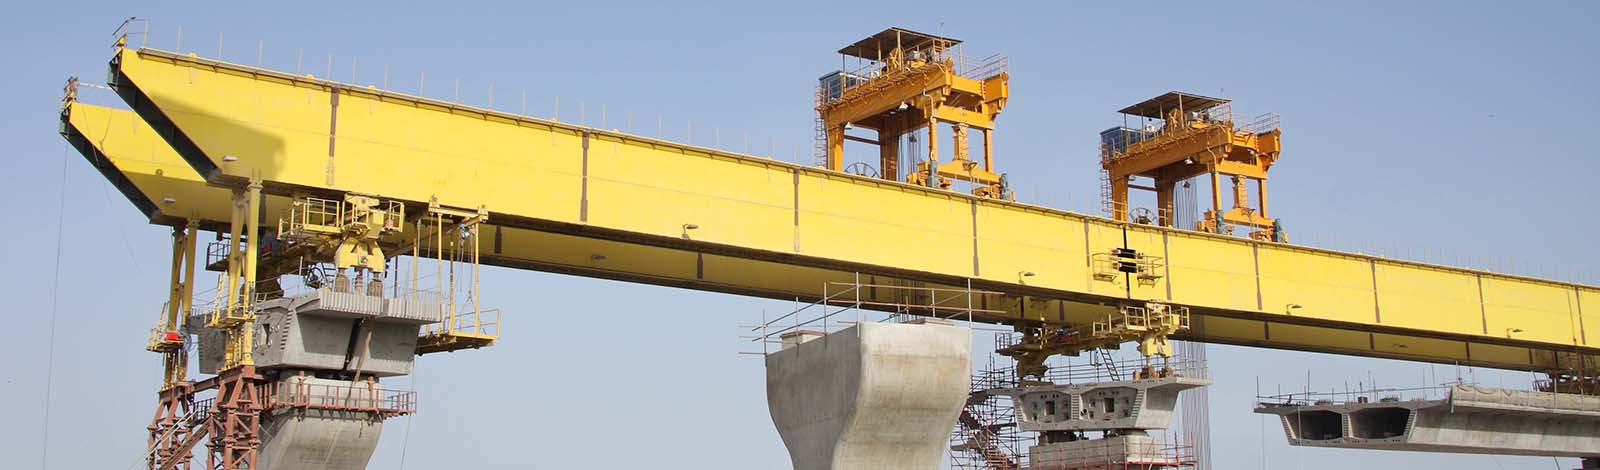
(969, 302)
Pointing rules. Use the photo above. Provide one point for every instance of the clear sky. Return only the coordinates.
(1451, 130)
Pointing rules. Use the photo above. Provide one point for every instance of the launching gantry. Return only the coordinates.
(906, 81)
(1183, 136)
(294, 366)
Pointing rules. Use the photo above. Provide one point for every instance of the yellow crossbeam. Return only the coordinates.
(591, 202)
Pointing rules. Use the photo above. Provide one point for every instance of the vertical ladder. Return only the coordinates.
(819, 150)
(1107, 207)
(1102, 357)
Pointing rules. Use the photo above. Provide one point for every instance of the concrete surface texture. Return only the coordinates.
(1133, 450)
(327, 330)
(1471, 419)
(1099, 406)
(318, 439)
(879, 396)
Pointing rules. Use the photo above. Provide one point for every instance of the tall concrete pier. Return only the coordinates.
(878, 396)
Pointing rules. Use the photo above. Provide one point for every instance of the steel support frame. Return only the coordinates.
(173, 425)
(235, 421)
(171, 428)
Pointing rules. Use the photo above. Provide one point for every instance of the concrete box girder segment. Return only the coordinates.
(1099, 406)
(1475, 420)
(563, 195)
(327, 330)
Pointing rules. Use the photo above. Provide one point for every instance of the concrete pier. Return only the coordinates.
(320, 436)
(1477, 420)
(318, 423)
(1128, 451)
(878, 396)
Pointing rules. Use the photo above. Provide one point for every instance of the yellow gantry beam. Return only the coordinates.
(599, 203)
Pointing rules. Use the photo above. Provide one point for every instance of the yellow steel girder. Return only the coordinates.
(568, 198)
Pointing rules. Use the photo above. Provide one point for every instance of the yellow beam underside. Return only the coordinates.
(777, 229)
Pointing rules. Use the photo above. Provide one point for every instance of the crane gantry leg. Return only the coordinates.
(172, 430)
(234, 423)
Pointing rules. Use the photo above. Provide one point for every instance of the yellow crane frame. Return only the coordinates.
(1193, 139)
(913, 81)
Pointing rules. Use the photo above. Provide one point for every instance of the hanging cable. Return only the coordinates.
(55, 286)
(405, 442)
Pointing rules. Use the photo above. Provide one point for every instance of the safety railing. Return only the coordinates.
(835, 83)
(1261, 124)
(482, 322)
(1146, 269)
(217, 252)
(1131, 318)
(360, 397)
(1360, 395)
(201, 410)
(190, 422)
(310, 215)
(870, 303)
(1220, 113)
(979, 69)
(1097, 368)
(164, 340)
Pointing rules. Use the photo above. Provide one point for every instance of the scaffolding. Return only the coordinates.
(986, 436)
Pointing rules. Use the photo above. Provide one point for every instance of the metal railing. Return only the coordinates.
(1095, 369)
(979, 69)
(363, 397)
(312, 215)
(1138, 319)
(1220, 113)
(482, 322)
(1363, 395)
(218, 251)
(1145, 268)
(1261, 124)
(862, 299)
(952, 57)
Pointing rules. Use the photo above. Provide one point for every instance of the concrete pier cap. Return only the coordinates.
(880, 396)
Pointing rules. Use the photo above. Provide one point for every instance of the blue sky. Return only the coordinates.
(1455, 131)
